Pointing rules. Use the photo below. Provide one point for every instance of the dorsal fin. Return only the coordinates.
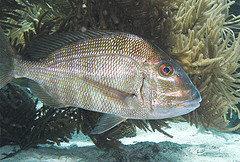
(42, 47)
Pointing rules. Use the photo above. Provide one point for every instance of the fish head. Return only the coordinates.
(172, 92)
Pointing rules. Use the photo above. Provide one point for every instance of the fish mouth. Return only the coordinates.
(178, 108)
(185, 107)
(192, 95)
(191, 104)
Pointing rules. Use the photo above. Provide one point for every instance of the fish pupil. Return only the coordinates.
(166, 70)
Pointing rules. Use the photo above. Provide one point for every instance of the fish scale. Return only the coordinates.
(120, 75)
(63, 84)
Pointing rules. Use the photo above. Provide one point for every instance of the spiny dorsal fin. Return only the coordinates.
(106, 122)
(42, 47)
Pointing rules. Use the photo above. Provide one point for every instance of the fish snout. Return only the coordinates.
(182, 95)
(182, 102)
(193, 101)
(185, 90)
(194, 93)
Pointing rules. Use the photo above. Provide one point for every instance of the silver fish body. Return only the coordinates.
(118, 74)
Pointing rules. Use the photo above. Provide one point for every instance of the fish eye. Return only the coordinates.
(165, 69)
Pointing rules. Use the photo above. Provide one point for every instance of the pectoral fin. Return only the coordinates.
(132, 101)
(106, 122)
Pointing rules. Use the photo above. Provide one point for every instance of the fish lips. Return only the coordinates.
(178, 109)
(188, 106)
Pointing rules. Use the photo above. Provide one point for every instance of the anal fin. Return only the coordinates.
(38, 91)
(106, 122)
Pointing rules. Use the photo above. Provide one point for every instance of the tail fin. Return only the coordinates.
(6, 60)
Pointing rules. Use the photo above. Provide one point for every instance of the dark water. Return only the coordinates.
(235, 8)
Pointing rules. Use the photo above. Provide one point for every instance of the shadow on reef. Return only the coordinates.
(193, 41)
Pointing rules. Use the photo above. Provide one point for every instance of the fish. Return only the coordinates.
(121, 75)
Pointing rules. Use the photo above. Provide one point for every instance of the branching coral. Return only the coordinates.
(210, 54)
(9, 11)
(21, 124)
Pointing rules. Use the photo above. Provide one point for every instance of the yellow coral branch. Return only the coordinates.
(206, 47)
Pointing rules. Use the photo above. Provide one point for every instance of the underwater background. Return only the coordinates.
(201, 35)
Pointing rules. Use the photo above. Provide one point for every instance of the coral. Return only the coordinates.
(39, 19)
(9, 11)
(210, 55)
(17, 112)
(21, 124)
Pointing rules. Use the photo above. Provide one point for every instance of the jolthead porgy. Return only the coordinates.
(118, 74)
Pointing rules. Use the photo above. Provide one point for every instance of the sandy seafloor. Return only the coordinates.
(188, 144)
